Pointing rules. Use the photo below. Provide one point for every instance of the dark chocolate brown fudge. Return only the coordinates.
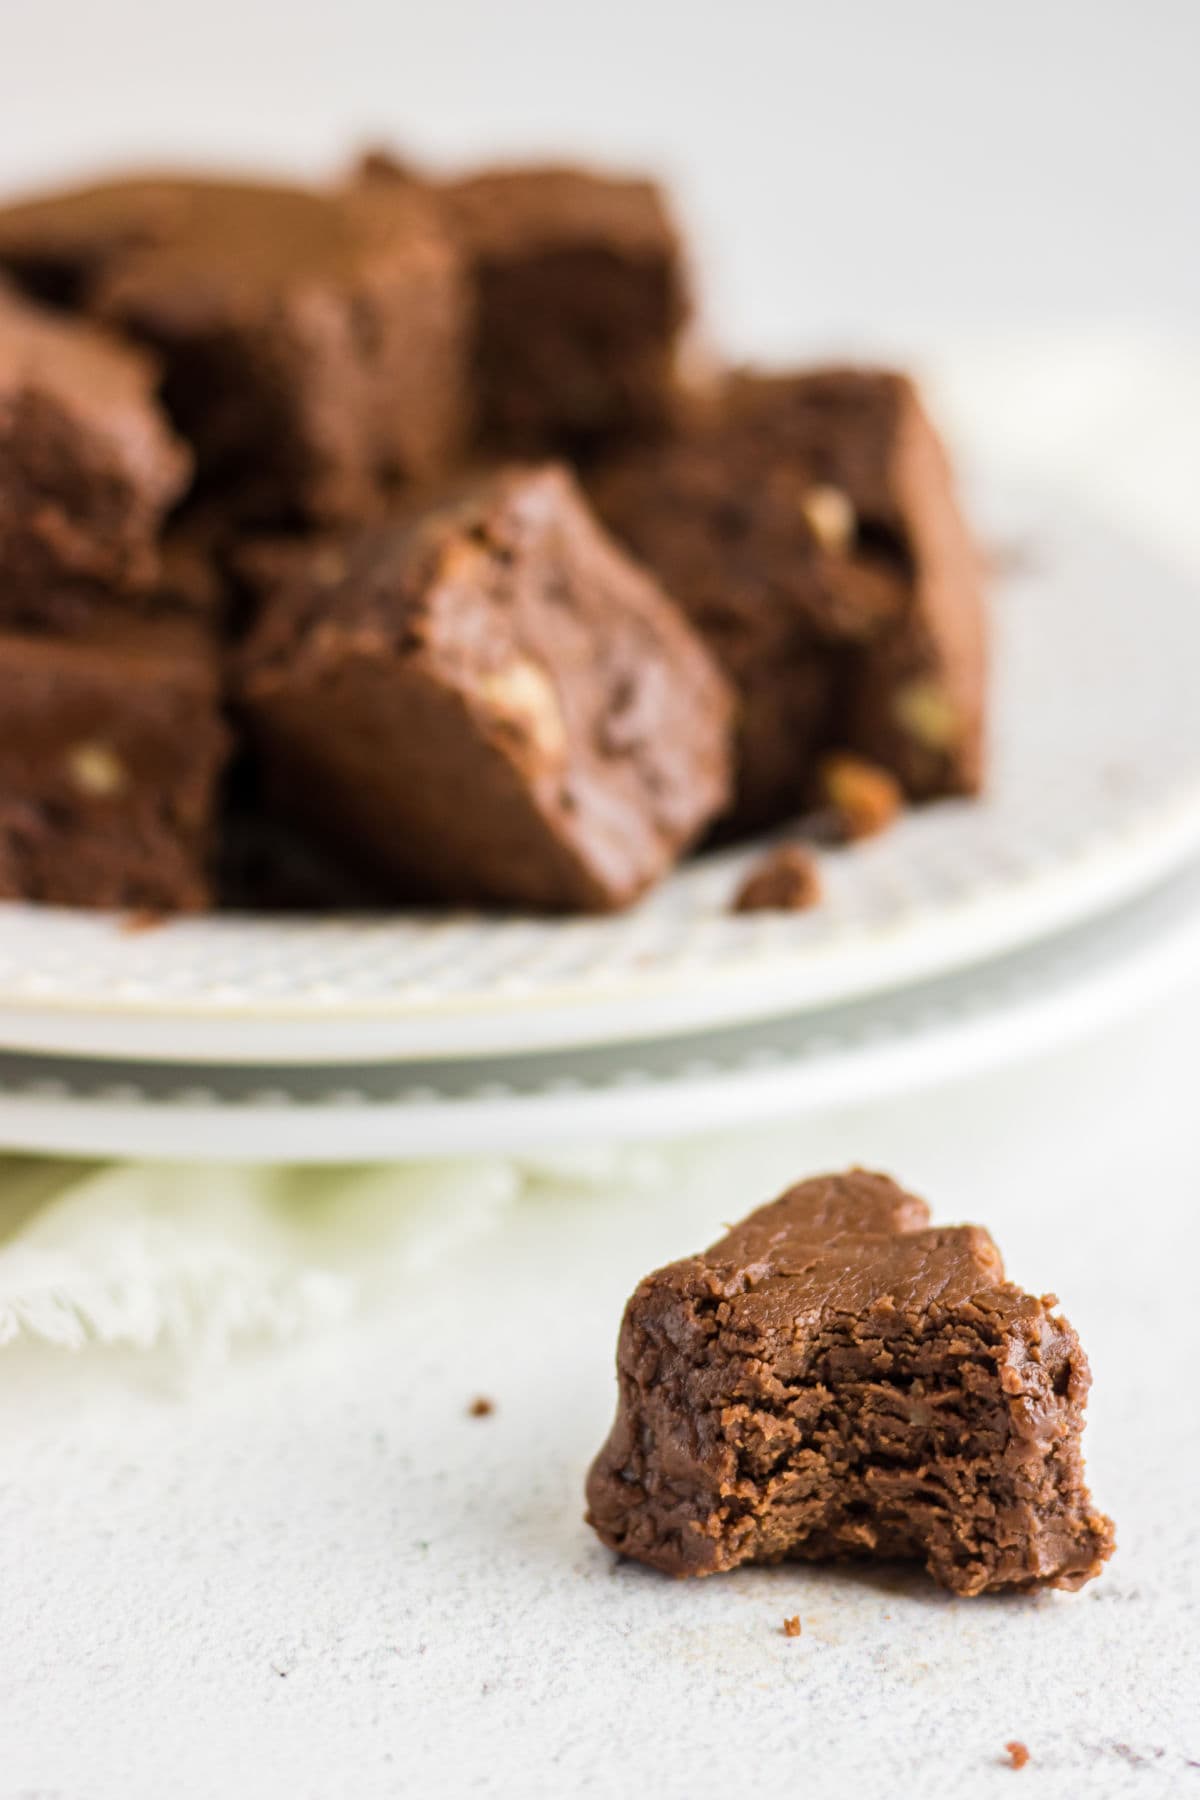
(88, 464)
(110, 758)
(315, 344)
(808, 525)
(492, 704)
(835, 1378)
(580, 298)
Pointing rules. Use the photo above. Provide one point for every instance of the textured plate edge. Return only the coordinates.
(1038, 1017)
(752, 989)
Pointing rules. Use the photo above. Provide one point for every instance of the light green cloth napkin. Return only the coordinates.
(152, 1255)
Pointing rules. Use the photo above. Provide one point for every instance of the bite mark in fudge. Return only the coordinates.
(314, 343)
(580, 298)
(110, 759)
(835, 1378)
(808, 526)
(491, 704)
(88, 464)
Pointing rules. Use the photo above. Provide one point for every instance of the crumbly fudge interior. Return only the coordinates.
(902, 1447)
(876, 1393)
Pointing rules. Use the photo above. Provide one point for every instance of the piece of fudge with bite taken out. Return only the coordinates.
(490, 703)
(836, 1378)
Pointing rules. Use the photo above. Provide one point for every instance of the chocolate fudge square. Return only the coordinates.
(88, 464)
(580, 298)
(491, 704)
(808, 525)
(314, 343)
(835, 1378)
(110, 759)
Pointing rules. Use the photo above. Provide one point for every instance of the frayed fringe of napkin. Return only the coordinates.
(150, 1256)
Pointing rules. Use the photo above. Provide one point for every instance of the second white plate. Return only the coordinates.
(1094, 795)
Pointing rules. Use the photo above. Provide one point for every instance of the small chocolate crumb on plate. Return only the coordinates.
(143, 918)
(785, 880)
(1018, 1755)
(791, 1627)
(481, 1407)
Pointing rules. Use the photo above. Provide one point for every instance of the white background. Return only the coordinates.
(859, 171)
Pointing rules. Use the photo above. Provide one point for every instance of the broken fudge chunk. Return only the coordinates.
(786, 879)
(835, 1378)
(88, 464)
(314, 344)
(110, 759)
(808, 525)
(579, 298)
(489, 704)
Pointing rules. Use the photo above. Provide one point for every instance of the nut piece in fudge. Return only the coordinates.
(491, 703)
(110, 760)
(580, 298)
(314, 343)
(88, 464)
(835, 1378)
(808, 525)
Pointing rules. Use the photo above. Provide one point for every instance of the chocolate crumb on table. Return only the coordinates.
(791, 1627)
(1018, 1755)
(786, 879)
(491, 703)
(837, 1379)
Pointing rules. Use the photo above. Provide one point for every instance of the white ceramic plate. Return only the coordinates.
(1012, 1007)
(1095, 794)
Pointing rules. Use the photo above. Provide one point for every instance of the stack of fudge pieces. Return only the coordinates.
(364, 542)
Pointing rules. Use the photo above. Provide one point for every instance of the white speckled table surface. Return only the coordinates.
(314, 1573)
